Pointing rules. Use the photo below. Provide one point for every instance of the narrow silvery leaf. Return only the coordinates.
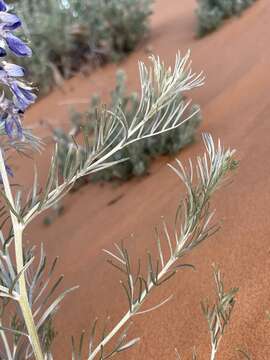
(128, 345)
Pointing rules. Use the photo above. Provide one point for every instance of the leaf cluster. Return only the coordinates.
(219, 314)
(139, 154)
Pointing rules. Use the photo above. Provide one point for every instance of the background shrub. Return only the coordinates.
(138, 154)
(66, 33)
(211, 13)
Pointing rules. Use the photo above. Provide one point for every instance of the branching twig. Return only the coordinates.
(219, 314)
(192, 227)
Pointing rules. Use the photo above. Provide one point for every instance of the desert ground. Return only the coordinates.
(236, 108)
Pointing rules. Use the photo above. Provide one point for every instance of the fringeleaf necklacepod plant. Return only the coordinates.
(27, 295)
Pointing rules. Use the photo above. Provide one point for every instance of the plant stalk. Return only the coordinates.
(213, 353)
(23, 298)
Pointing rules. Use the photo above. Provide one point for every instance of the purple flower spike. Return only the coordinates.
(17, 46)
(11, 110)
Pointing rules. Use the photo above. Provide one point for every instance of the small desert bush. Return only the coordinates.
(211, 13)
(28, 293)
(137, 156)
(65, 34)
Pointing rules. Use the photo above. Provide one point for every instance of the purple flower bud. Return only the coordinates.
(13, 70)
(17, 46)
(11, 117)
(3, 52)
(3, 6)
(23, 95)
(13, 127)
(9, 21)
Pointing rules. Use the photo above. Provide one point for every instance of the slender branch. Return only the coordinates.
(23, 298)
(130, 313)
(218, 315)
(35, 212)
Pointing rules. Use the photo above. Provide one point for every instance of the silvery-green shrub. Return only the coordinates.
(65, 34)
(211, 13)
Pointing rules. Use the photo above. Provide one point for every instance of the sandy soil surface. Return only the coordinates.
(236, 107)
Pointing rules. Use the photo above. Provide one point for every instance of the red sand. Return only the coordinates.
(236, 107)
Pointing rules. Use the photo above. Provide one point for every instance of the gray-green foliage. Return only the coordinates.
(211, 13)
(138, 155)
(66, 33)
